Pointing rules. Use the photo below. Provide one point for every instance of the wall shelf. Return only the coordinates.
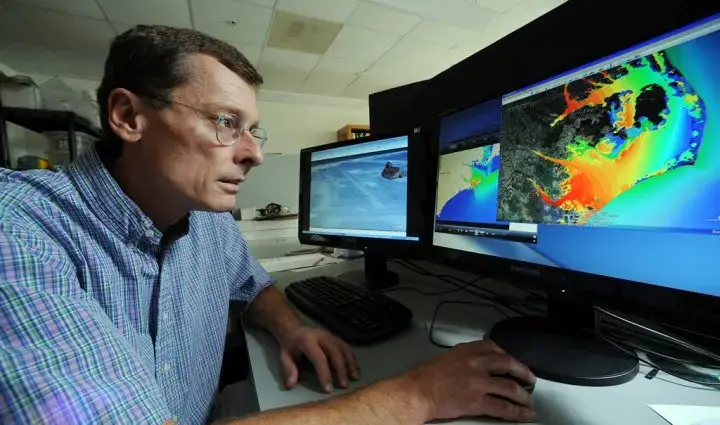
(353, 131)
(40, 120)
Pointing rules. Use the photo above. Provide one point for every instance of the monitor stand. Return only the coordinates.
(375, 275)
(563, 347)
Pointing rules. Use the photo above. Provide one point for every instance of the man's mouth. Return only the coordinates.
(231, 185)
(232, 181)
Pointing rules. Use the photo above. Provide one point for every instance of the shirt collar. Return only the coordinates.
(114, 208)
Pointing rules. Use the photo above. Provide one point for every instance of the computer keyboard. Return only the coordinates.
(356, 315)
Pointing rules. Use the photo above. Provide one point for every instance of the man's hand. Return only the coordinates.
(460, 383)
(328, 354)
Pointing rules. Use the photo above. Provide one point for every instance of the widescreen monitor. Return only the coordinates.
(603, 181)
(612, 169)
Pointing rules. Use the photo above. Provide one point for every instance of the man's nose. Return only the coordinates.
(248, 150)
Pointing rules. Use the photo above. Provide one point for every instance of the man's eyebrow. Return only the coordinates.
(225, 107)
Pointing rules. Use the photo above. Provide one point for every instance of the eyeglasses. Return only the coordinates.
(228, 126)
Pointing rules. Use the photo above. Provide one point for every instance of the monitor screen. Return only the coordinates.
(360, 190)
(611, 169)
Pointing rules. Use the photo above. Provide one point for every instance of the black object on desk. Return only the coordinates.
(527, 386)
(356, 315)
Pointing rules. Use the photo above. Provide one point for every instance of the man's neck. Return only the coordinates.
(153, 197)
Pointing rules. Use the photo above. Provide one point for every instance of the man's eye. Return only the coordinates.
(226, 121)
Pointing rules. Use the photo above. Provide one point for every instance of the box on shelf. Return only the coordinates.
(20, 92)
(59, 152)
(58, 96)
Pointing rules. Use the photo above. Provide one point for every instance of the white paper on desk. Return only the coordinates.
(279, 264)
(688, 415)
(296, 262)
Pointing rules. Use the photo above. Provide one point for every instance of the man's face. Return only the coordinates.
(182, 144)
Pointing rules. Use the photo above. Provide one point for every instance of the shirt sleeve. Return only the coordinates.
(248, 277)
(62, 359)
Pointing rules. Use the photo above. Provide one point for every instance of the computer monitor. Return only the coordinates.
(363, 194)
(602, 184)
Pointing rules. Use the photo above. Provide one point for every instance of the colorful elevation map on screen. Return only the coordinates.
(468, 185)
(598, 151)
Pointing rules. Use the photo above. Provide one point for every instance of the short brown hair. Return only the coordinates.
(149, 60)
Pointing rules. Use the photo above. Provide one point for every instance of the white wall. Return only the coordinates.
(277, 180)
(295, 121)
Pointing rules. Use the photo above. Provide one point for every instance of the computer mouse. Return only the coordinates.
(526, 385)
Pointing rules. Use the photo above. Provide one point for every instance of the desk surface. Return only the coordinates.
(557, 404)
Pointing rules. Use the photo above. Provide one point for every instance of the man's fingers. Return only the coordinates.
(493, 347)
(337, 360)
(510, 390)
(320, 361)
(350, 361)
(503, 409)
(291, 371)
(503, 364)
(481, 347)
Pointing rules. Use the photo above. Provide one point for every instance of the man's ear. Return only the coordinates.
(125, 115)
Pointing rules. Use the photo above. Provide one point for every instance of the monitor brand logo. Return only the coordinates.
(525, 270)
(317, 238)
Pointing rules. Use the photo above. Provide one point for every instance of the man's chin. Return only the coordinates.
(217, 205)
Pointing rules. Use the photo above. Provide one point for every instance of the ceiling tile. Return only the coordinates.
(81, 64)
(296, 32)
(412, 54)
(329, 10)
(121, 28)
(461, 52)
(363, 87)
(426, 72)
(26, 58)
(300, 61)
(341, 66)
(443, 34)
(85, 8)
(232, 21)
(54, 62)
(12, 30)
(458, 13)
(387, 76)
(161, 12)
(381, 18)
(327, 83)
(497, 5)
(251, 52)
(264, 3)
(59, 30)
(281, 78)
(361, 44)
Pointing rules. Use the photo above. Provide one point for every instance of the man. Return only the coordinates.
(116, 272)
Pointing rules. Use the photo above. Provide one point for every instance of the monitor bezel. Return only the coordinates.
(416, 193)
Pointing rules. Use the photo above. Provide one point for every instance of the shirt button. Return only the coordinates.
(165, 317)
(149, 233)
(166, 368)
(130, 245)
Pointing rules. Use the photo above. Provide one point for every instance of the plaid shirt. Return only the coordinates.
(101, 319)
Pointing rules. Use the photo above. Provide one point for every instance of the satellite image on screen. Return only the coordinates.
(611, 149)
(365, 193)
(468, 185)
